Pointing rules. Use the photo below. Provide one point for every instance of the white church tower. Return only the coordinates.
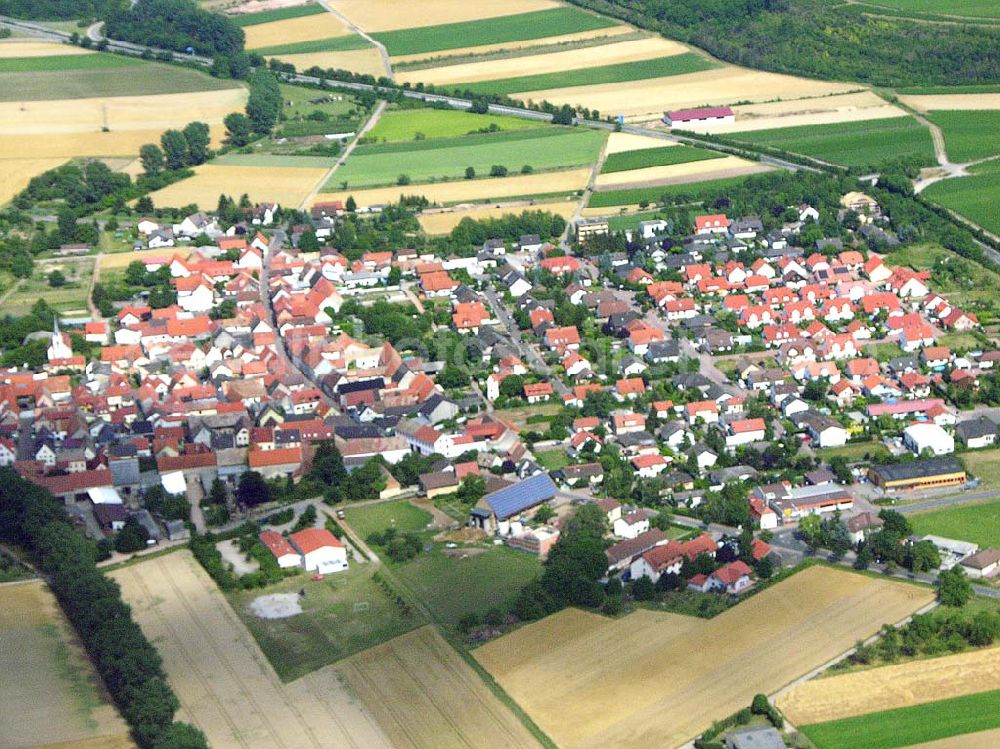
(59, 343)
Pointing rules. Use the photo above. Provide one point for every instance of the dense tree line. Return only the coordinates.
(820, 39)
(128, 663)
(470, 234)
(176, 25)
(60, 9)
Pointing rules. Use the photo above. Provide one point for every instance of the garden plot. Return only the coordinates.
(224, 683)
(652, 679)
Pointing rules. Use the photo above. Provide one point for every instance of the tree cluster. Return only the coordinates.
(175, 25)
(128, 663)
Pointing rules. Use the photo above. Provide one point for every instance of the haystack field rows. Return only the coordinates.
(424, 695)
(889, 687)
(648, 99)
(32, 48)
(656, 679)
(224, 683)
(304, 29)
(444, 221)
(284, 185)
(479, 190)
(385, 15)
(938, 102)
(610, 34)
(49, 693)
(691, 171)
(488, 70)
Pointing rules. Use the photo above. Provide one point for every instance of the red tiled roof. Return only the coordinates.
(311, 539)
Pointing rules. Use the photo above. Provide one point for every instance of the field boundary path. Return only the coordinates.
(351, 26)
(585, 197)
(372, 121)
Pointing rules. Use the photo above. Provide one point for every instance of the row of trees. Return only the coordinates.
(263, 110)
(178, 149)
(128, 663)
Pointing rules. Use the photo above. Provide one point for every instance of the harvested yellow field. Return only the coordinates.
(51, 694)
(424, 695)
(224, 683)
(284, 185)
(554, 62)
(621, 142)
(471, 190)
(965, 741)
(292, 30)
(116, 143)
(652, 679)
(648, 99)
(385, 15)
(889, 687)
(692, 171)
(825, 110)
(33, 48)
(934, 102)
(366, 60)
(118, 113)
(483, 49)
(15, 174)
(444, 221)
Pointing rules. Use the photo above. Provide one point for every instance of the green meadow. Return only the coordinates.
(626, 161)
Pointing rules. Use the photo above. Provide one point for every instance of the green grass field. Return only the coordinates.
(689, 192)
(279, 14)
(854, 452)
(909, 725)
(141, 79)
(864, 144)
(444, 159)
(405, 124)
(630, 71)
(626, 161)
(335, 44)
(968, 8)
(66, 62)
(973, 197)
(452, 587)
(513, 28)
(400, 515)
(343, 614)
(552, 460)
(978, 523)
(971, 135)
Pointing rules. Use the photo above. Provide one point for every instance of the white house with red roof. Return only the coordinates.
(716, 223)
(319, 550)
(285, 554)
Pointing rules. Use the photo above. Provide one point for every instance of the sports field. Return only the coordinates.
(654, 679)
(409, 124)
(443, 159)
(863, 143)
(50, 693)
(643, 158)
(973, 197)
(382, 15)
(648, 99)
(632, 50)
(444, 222)
(969, 135)
(515, 27)
(978, 522)
(424, 695)
(890, 687)
(285, 185)
(617, 73)
(469, 191)
(225, 685)
(889, 729)
(685, 172)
